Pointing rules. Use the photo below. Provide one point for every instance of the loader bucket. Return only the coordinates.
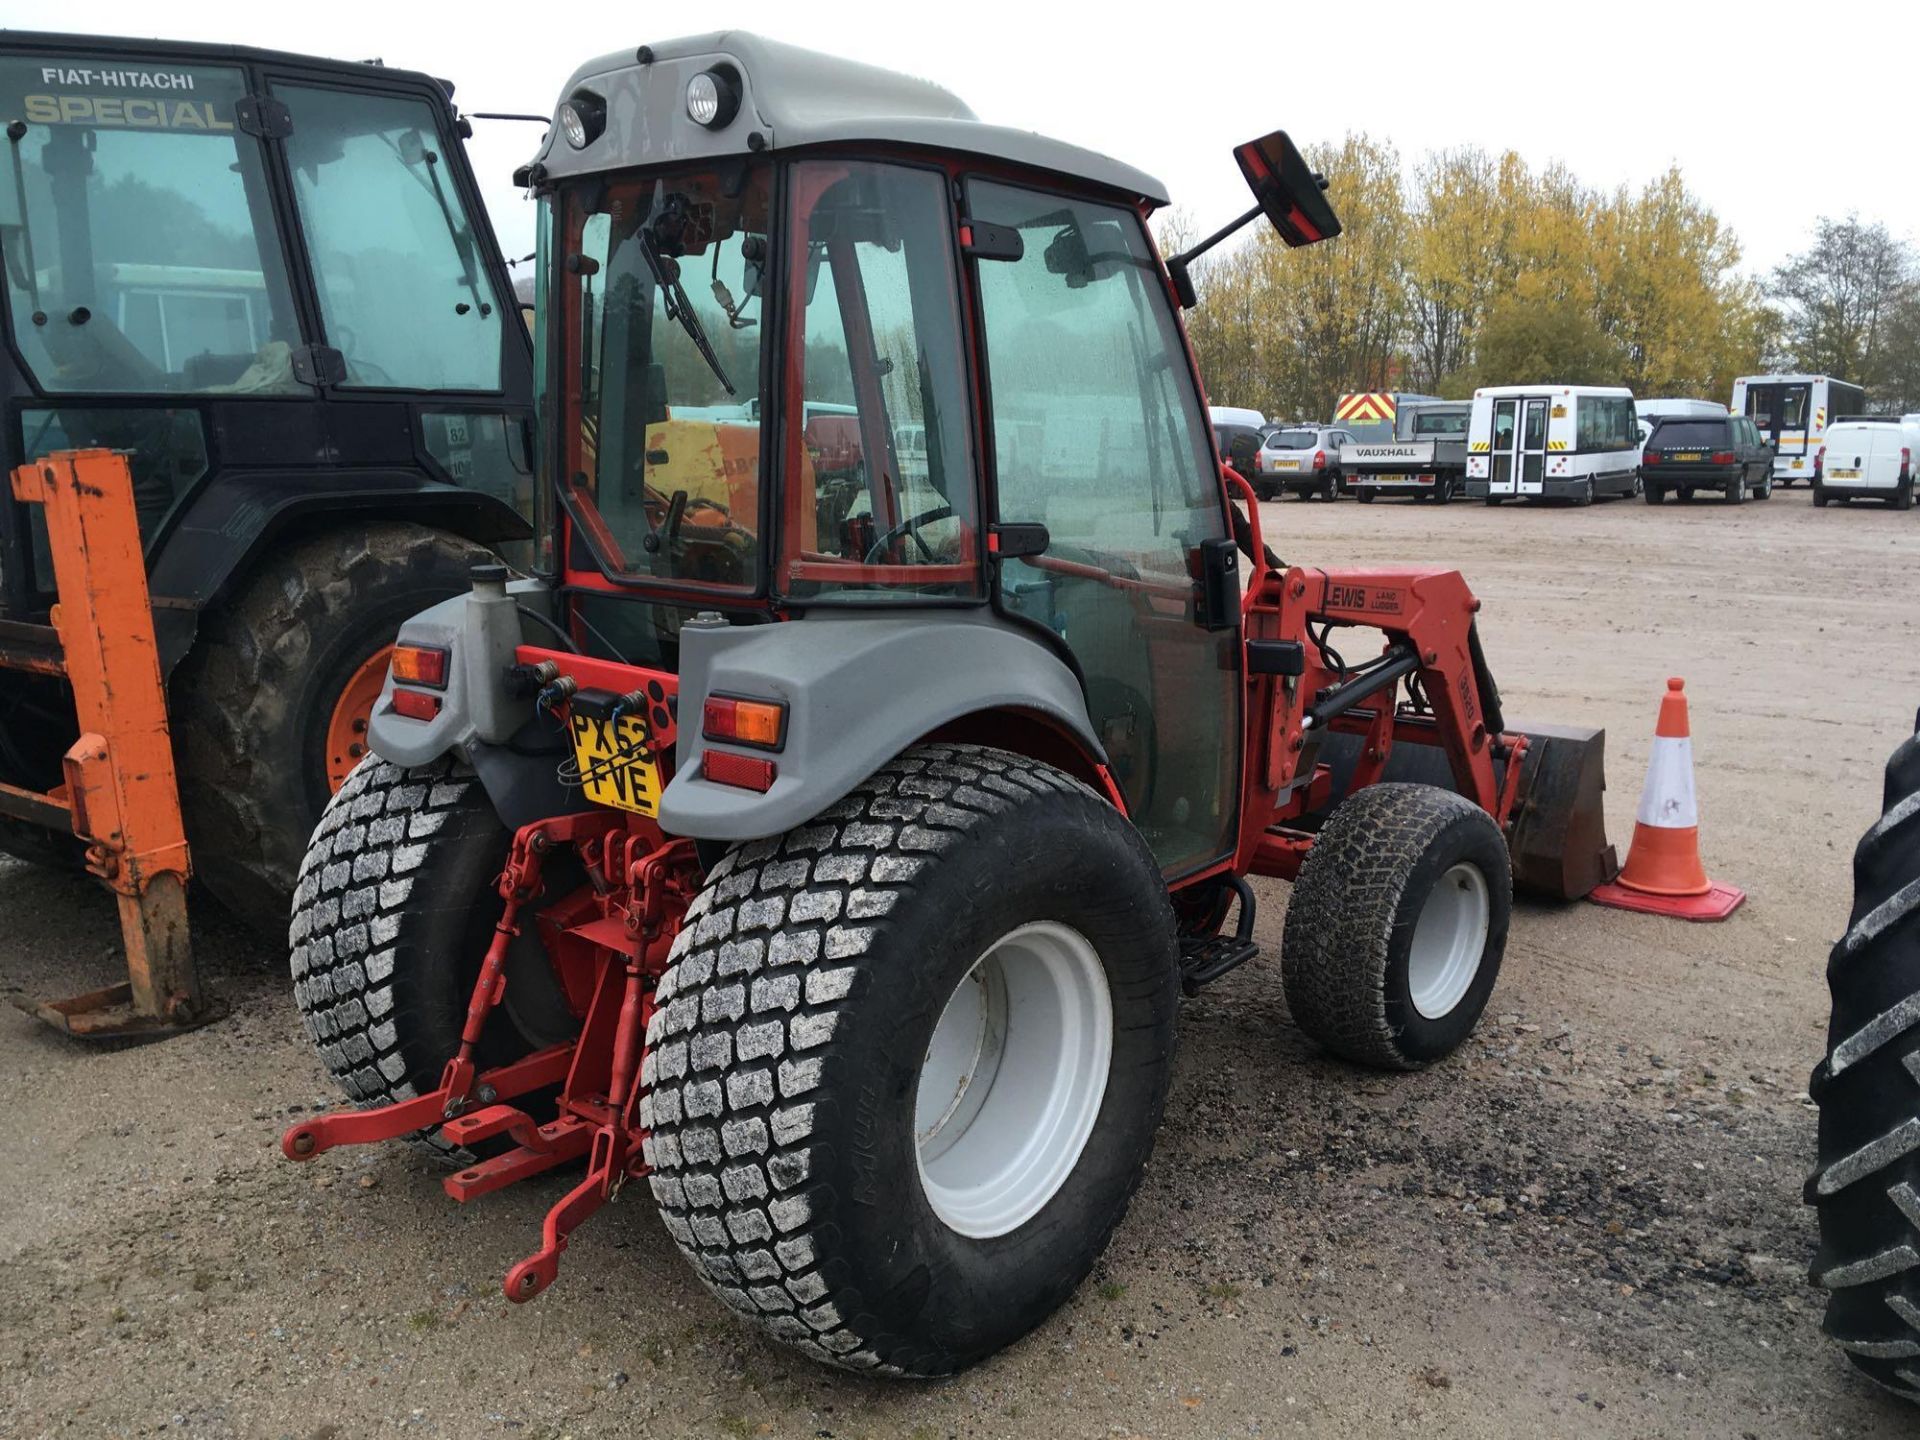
(1558, 835)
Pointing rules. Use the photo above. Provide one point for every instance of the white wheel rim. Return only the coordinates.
(1449, 939)
(1013, 1079)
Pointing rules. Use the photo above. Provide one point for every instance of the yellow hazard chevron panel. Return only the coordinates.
(1556, 444)
(1367, 406)
(1479, 447)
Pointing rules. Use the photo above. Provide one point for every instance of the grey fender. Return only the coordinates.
(479, 630)
(858, 691)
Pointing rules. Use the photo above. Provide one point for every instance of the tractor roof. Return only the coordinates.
(790, 97)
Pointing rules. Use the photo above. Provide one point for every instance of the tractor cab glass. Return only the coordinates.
(137, 234)
(669, 316)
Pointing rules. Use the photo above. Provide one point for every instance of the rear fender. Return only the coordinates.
(858, 690)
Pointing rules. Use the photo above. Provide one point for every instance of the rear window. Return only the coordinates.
(1689, 434)
(1440, 424)
(1293, 439)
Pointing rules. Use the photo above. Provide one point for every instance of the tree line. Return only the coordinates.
(1472, 269)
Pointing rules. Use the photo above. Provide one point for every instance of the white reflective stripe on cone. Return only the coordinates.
(1667, 798)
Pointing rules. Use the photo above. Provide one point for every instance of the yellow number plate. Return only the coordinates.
(1689, 455)
(1286, 464)
(617, 769)
(1846, 474)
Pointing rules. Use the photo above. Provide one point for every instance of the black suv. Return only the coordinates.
(1727, 455)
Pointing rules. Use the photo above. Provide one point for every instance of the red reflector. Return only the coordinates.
(420, 665)
(415, 705)
(744, 722)
(1652, 457)
(746, 772)
(1723, 457)
(1319, 459)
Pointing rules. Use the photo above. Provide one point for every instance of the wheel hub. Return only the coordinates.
(1449, 939)
(1013, 1079)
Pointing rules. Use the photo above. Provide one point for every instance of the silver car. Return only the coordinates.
(1302, 460)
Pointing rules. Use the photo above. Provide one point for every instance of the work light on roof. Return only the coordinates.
(712, 99)
(581, 120)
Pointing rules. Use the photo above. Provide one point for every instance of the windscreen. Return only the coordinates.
(137, 235)
(1689, 435)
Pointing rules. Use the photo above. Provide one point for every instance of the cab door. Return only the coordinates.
(1095, 430)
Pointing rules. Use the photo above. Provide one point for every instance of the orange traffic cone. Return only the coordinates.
(1663, 874)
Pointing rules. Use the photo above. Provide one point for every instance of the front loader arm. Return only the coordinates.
(1425, 618)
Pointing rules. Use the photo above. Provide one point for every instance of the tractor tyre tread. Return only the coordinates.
(747, 1077)
(355, 950)
(251, 691)
(1866, 1184)
(1339, 939)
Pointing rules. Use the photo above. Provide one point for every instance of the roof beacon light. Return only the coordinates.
(713, 99)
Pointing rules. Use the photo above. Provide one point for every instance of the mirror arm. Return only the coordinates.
(1177, 265)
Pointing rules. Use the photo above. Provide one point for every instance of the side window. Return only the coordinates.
(405, 295)
(139, 243)
(880, 470)
(1098, 435)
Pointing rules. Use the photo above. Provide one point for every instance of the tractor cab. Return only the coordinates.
(819, 343)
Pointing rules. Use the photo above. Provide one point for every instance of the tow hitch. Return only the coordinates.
(610, 943)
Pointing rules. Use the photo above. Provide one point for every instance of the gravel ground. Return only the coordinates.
(1588, 1222)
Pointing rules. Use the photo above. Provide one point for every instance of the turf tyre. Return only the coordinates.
(1866, 1185)
(796, 1013)
(1349, 941)
(392, 913)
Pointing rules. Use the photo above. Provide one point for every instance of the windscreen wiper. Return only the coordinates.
(666, 274)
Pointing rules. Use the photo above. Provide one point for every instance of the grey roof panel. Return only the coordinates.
(793, 98)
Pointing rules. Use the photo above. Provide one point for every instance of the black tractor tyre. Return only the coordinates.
(1819, 495)
(1686, 494)
(1655, 494)
(1866, 1185)
(393, 911)
(254, 699)
(1355, 956)
(1364, 496)
(1903, 496)
(798, 1013)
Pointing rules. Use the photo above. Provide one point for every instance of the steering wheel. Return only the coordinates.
(910, 526)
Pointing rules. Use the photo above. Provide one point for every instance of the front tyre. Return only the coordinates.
(1397, 925)
(910, 1058)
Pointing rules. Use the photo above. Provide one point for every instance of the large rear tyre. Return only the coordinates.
(910, 1059)
(1397, 925)
(393, 912)
(1866, 1186)
(257, 724)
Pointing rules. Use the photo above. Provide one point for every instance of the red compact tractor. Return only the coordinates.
(828, 841)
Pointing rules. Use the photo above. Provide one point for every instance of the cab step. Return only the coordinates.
(1205, 958)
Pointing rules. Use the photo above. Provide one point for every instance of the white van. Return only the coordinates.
(1552, 442)
(1236, 415)
(1868, 460)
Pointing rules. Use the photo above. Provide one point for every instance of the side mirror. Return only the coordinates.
(1291, 196)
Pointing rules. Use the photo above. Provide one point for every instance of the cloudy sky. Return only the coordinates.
(1770, 124)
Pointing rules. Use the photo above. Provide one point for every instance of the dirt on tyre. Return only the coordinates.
(392, 913)
(1866, 1185)
(254, 701)
(910, 1060)
(1397, 925)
